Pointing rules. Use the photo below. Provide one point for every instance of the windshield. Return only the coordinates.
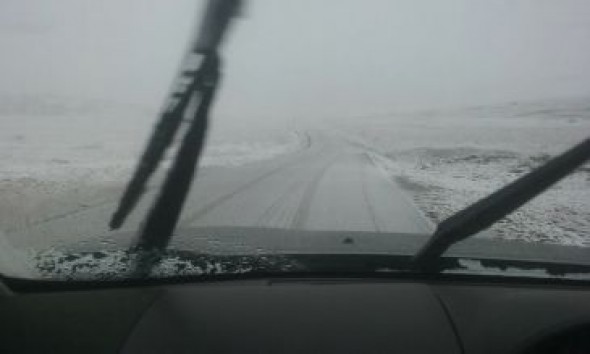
(333, 129)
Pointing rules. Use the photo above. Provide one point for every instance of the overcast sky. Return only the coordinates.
(290, 58)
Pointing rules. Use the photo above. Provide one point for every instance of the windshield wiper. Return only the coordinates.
(162, 218)
(497, 205)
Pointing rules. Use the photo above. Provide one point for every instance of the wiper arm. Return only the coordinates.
(497, 205)
(162, 218)
(213, 26)
(164, 214)
(160, 140)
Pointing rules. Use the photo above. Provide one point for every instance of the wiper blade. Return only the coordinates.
(213, 26)
(497, 205)
(162, 218)
(161, 138)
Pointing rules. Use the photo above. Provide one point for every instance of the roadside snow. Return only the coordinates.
(237, 154)
(449, 159)
(59, 154)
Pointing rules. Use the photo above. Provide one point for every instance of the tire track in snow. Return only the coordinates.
(208, 207)
(274, 209)
(302, 213)
(370, 207)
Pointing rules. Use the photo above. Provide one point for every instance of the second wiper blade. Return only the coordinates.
(497, 205)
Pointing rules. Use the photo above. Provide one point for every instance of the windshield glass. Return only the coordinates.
(338, 128)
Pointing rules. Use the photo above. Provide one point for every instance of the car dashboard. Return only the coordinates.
(297, 315)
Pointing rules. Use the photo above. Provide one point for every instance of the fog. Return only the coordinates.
(500, 86)
(301, 59)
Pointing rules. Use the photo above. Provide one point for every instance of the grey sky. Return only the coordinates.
(290, 58)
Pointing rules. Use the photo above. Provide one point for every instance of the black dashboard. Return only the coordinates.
(299, 315)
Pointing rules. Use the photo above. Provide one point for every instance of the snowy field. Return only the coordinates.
(449, 159)
(56, 155)
(55, 152)
(59, 154)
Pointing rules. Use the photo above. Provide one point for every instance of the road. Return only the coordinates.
(330, 184)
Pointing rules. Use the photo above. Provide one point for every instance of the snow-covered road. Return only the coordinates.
(61, 175)
(328, 185)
